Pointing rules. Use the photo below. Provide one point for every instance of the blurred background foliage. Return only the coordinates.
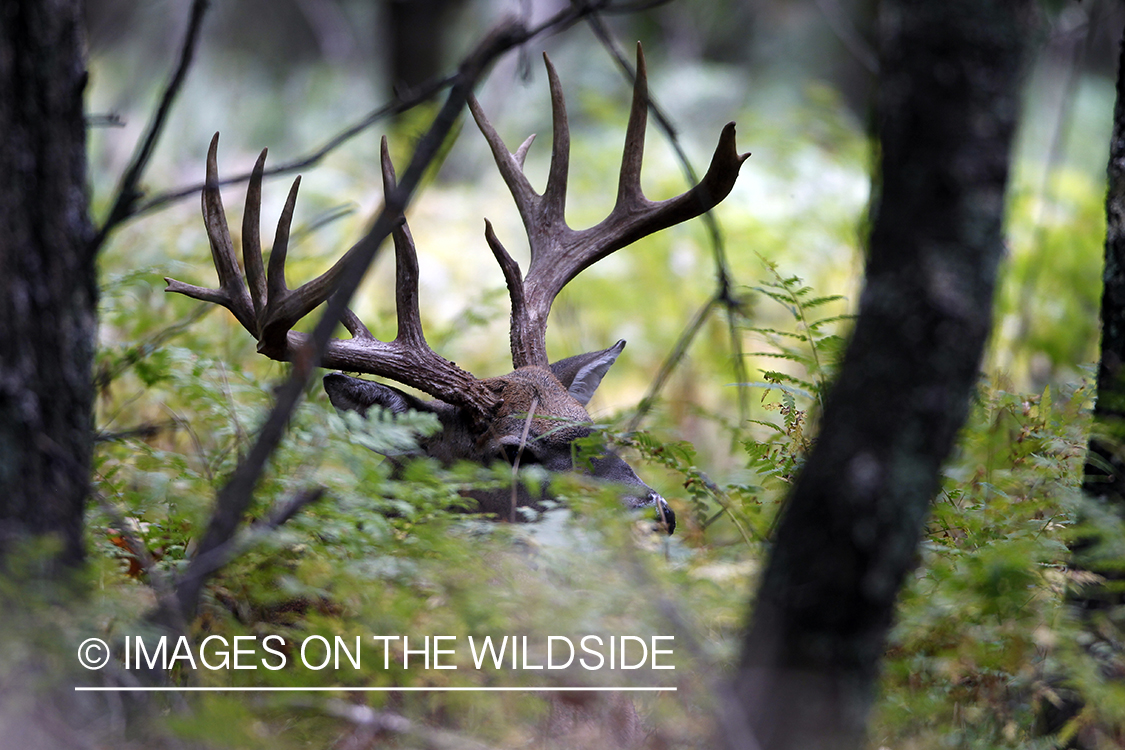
(182, 388)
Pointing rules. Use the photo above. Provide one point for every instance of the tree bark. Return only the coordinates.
(1104, 480)
(947, 110)
(1105, 463)
(48, 291)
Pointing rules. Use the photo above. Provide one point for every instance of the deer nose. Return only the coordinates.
(665, 516)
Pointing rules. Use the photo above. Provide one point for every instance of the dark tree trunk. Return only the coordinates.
(1105, 464)
(947, 110)
(48, 292)
(1104, 481)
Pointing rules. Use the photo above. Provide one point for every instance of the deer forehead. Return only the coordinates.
(536, 390)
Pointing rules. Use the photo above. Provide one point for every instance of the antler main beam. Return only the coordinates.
(268, 309)
(559, 253)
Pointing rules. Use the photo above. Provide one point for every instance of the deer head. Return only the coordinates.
(531, 415)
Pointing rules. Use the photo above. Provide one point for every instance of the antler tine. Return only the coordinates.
(355, 326)
(287, 307)
(565, 253)
(273, 309)
(231, 293)
(522, 355)
(521, 153)
(252, 241)
(554, 197)
(629, 183)
(275, 282)
(222, 247)
(510, 165)
(406, 265)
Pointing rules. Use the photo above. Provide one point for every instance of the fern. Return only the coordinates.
(814, 349)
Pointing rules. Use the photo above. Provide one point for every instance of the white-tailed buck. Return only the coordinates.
(533, 414)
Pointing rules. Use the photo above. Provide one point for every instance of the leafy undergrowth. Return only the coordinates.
(386, 557)
(981, 623)
(981, 633)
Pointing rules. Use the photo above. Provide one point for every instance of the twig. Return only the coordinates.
(374, 723)
(201, 452)
(127, 191)
(402, 102)
(159, 582)
(143, 430)
(396, 107)
(240, 435)
(519, 455)
(203, 565)
(146, 347)
(849, 35)
(724, 282)
(670, 363)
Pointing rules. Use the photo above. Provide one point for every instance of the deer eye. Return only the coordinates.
(527, 457)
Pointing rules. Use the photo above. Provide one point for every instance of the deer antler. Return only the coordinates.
(559, 253)
(269, 309)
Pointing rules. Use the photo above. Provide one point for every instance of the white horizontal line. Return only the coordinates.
(368, 689)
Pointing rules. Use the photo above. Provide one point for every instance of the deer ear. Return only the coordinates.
(581, 375)
(354, 394)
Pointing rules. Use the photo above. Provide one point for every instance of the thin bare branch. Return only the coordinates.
(724, 280)
(671, 362)
(557, 23)
(157, 580)
(396, 107)
(204, 565)
(309, 351)
(128, 192)
(142, 431)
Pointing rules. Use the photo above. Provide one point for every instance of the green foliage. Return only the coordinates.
(389, 554)
(1057, 236)
(984, 610)
(814, 345)
(182, 391)
(812, 348)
